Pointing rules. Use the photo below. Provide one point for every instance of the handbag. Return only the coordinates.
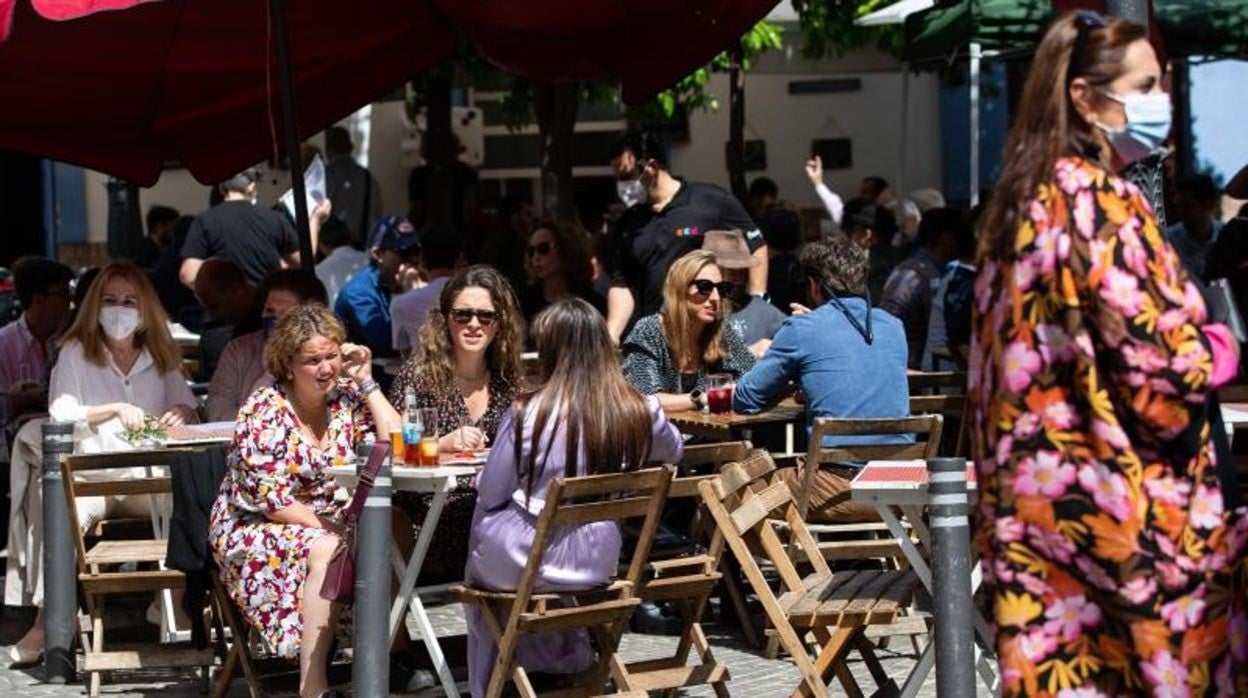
(339, 582)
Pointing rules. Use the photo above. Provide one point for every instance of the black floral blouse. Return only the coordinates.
(449, 405)
(648, 363)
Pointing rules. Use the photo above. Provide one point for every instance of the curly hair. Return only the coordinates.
(572, 245)
(301, 323)
(678, 330)
(837, 262)
(434, 359)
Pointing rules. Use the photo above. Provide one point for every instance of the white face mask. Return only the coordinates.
(630, 191)
(118, 321)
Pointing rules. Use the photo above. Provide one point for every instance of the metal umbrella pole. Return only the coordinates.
(290, 127)
(953, 609)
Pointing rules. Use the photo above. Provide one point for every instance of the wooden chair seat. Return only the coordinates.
(847, 599)
(117, 552)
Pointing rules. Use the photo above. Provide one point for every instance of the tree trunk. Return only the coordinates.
(439, 189)
(555, 106)
(735, 154)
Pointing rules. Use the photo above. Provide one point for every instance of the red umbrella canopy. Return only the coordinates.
(196, 82)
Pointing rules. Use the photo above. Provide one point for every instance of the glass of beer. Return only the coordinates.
(397, 447)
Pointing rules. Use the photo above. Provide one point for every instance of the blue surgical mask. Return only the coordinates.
(1148, 125)
(266, 326)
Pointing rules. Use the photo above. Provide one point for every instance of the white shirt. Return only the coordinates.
(78, 384)
(334, 270)
(831, 201)
(409, 310)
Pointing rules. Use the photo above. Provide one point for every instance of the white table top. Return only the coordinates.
(419, 479)
(1235, 415)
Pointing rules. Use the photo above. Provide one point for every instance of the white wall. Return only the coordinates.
(870, 117)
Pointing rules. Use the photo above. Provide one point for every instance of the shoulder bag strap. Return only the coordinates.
(367, 474)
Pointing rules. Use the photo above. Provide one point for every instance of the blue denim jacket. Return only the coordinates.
(840, 373)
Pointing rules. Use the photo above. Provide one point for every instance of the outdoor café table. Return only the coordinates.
(1235, 415)
(886, 485)
(439, 481)
(726, 426)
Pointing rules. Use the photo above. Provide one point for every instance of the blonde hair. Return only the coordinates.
(434, 359)
(298, 325)
(153, 333)
(674, 317)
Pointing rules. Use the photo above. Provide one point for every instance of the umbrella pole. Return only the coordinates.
(290, 125)
(976, 56)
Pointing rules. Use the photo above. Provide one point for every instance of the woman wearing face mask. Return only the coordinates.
(240, 370)
(1112, 559)
(118, 365)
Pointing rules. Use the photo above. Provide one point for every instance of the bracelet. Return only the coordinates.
(367, 387)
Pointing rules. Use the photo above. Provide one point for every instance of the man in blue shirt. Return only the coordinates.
(364, 302)
(849, 360)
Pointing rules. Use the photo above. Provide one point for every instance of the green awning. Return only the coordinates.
(1188, 27)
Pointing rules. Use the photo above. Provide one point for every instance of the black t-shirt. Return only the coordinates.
(649, 242)
(255, 239)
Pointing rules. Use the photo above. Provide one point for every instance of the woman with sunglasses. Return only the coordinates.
(557, 261)
(1113, 554)
(466, 368)
(670, 353)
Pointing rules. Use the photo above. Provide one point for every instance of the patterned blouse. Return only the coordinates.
(1106, 545)
(648, 363)
(449, 406)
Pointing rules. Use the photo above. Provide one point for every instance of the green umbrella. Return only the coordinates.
(1189, 27)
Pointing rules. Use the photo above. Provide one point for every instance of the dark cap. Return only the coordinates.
(393, 233)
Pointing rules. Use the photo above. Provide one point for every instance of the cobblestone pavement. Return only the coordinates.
(752, 674)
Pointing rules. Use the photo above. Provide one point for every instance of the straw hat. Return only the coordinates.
(729, 248)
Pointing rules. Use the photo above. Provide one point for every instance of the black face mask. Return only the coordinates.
(835, 299)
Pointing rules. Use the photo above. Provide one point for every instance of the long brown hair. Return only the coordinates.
(572, 243)
(1046, 126)
(435, 357)
(582, 387)
(153, 334)
(677, 327)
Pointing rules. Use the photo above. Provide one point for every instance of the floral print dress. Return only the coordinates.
(1113, 566)
(263, 563)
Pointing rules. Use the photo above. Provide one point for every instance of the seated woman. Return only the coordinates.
(271, 530)
(670, 353)
(558, 262)
(117, 366)
(584, 419)
(466, 368)
(240, 369)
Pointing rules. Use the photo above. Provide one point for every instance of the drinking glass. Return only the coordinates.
(719, 392)
(427, 450)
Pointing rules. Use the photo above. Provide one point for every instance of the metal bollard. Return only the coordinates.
(370, 669)
(951, 578)
(60, 569)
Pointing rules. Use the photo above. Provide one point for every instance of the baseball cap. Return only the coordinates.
(393, 233)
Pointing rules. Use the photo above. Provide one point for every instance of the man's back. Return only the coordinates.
(841, 375)
(409, 310)
(255, 239)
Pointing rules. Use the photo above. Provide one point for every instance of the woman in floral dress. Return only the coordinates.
(1114, 565)
(272, 525)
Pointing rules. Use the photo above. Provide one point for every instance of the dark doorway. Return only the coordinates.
(21, 206)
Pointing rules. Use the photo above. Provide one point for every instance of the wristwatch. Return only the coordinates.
(698, 396)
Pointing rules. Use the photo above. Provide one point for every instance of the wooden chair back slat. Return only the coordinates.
(758, 507)
(613, 510)
(733, 477)
(923, 380)
(936, 404)
(717, 454)
(82, 462)
(143, 485)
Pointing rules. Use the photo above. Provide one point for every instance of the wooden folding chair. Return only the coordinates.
(833, 608)
(604, 610)
(97, 576)
(688, 582)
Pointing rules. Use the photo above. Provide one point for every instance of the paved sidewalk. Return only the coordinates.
(752, 675)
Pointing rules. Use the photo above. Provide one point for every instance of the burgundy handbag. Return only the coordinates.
(339, 582)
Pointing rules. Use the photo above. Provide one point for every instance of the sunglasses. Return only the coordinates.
(1085, 21)
(541, 248)
(463, 316)
(703, 287)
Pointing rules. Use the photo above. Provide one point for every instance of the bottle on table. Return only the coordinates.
(413, 429)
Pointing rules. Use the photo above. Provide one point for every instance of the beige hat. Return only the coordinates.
(729, 248)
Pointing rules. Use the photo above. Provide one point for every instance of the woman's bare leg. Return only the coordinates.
(318, 621)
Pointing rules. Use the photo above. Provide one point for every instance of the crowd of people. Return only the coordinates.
(1082, 322)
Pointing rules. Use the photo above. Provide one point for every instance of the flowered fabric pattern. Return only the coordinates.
(271, 465)
(1113, 566)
